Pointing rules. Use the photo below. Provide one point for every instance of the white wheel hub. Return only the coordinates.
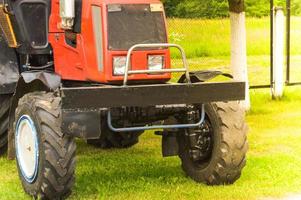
(27, 148)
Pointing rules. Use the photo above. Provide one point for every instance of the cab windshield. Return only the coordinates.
(130, 24)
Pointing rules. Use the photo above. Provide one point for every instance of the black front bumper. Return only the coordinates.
(83, 108)
(151, 95)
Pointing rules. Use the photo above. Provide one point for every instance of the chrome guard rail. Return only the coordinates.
(144, 128)
(128, 62)
(129, 72)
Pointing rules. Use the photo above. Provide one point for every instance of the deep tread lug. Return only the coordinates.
(57, 174)
(230, 155)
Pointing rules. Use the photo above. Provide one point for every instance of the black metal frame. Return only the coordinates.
(150, 95)
(288, 47)
(10, 69)
(288, 40)
(271, 50)
(166, 99)
(7, 88)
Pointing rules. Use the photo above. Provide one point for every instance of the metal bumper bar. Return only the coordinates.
(144, 128)
(150, 95)
(128, 62)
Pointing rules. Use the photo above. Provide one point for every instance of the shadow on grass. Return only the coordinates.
(115, 172)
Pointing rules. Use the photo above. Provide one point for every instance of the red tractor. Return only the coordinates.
(100, 70)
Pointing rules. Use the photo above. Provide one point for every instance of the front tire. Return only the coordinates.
(223, 154)
(4, 120)
(45, 155)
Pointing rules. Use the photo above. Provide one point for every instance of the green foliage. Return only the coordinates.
(257, 8)
(219, 8)
(197, 8)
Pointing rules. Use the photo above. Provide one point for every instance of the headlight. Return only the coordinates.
(155, 62)
(119, 65)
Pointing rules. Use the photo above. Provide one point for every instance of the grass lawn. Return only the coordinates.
(273, 168)
(211, 38)
(207, 45)
(258, 67)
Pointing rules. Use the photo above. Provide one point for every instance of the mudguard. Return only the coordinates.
(170, 145)
(47, 80)
(203, 76)
(9, 71)
(29, 82)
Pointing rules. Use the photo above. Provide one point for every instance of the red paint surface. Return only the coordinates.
(80, 63)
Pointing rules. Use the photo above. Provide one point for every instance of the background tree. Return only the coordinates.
(220, 8)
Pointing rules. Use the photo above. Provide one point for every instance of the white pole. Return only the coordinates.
(278, 48)
(239, 53)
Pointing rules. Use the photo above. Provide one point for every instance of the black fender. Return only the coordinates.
(203, 76)
(170, 145)
(29, 82)
(9, 67)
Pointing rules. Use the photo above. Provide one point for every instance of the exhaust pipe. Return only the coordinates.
(67, 14)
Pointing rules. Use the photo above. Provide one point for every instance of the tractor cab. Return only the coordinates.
(93, 37)
(97, 51)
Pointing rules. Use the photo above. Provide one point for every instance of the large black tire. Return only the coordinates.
(56, 162)
(110, 139)
(4, 117)
(224, 164)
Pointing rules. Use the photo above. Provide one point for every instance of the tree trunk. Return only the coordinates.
(239, 46)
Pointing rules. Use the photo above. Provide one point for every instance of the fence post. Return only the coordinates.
(288, 41)
(278, 52)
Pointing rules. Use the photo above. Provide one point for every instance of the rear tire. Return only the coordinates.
(4, 120)
(110, 139)
(227, 156)
(51, 175)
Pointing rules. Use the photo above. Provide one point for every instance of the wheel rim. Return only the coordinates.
(204, 145)
(27, 148)
(205, 141)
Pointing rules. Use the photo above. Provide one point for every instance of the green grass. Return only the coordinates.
(211, 38)
(273, 168)
(258, 67)
(207, 45)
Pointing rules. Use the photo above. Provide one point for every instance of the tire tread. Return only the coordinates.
(59, 149)
(230, 155)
